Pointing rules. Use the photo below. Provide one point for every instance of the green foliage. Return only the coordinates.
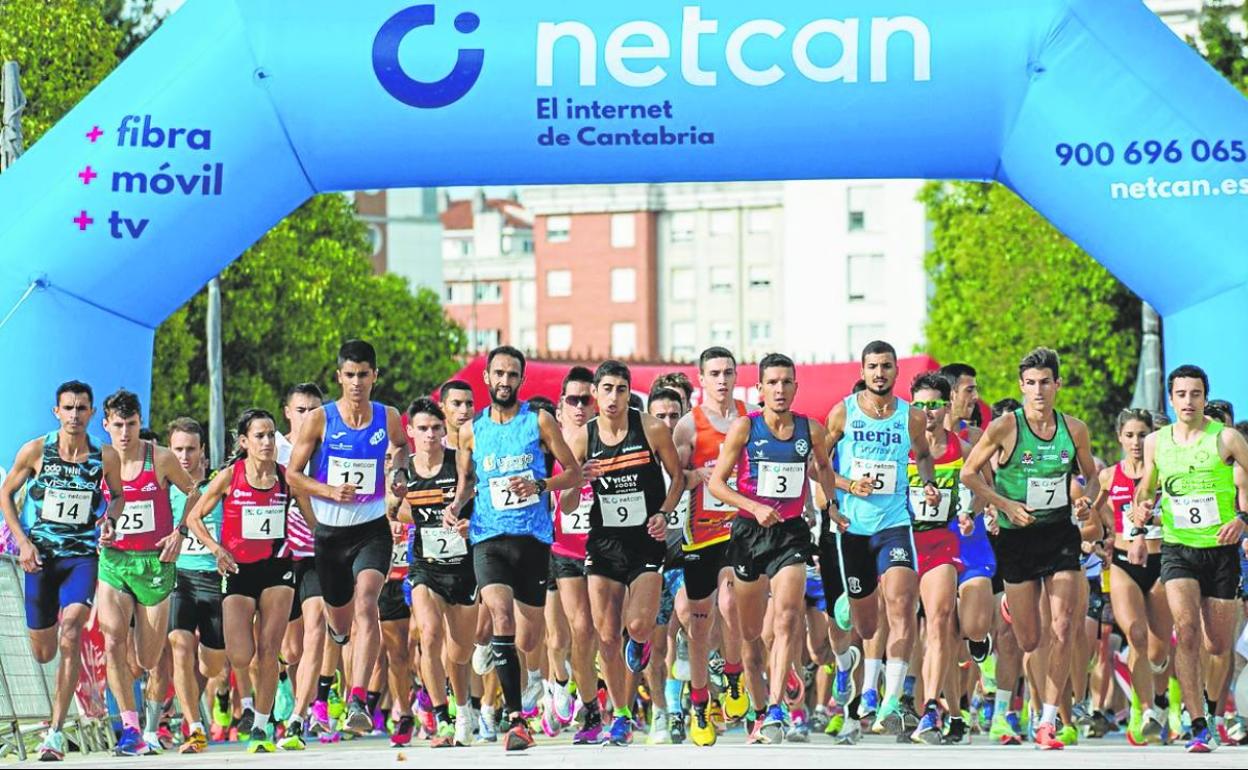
(287, 304)
(135, 19)
(63, 47)
(1006, 281)
(1224, 48)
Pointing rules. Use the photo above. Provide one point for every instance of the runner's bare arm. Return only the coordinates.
(1145, 500)
(24, 467)
(1234, 449)
(570, 499)
(466, 486)
(729, 455)
(552, 438)
(1087, 467)
(399, 451)
(301, 454)
(821, 466)
(216, 491)
(660, 439)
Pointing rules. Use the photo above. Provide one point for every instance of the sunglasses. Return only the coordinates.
(576, 400)
(931, 406)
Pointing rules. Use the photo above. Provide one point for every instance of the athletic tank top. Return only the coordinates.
(351, 456)
(1122, 500)
(772, 470)
(428, 541)
(880, 449)
(253, 524)
(65, 501)
(1198, 487)
(299, 541)
(631, 488)
(147, 518)
(572, 527)
(710, 521)
(502, 452)
(1038, 472)
(195, 556)
(948, 470)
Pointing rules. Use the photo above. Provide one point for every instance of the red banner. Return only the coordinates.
(820, 386)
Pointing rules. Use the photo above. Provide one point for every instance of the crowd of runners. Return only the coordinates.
(662, 570)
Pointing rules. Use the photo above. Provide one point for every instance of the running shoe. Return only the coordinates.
(794, 687)
(519, 737)
(284, 702)
(980, 650)
(676, 727)
(246, 722)
(621, 733)
(771, 727)
(482, 659)
(165, 737)
(402, 735)
(486, 724)
(1068, 735)
(358, 720)
(195, 743)
(957, 733)
(444, 738)
(591, 733)
(1046, 738)
(869, 704)
(153, 744)
(1202, 741)
(681, 669)
(336, 705)
(799, 731)
(531, 696)
(929, 728)
(53, 747)
(563, 702)
(819, 719)
(463, 727)
(293, 739)
(221, 709)
(319, 722)
(636, 655)
(660, 732)
(889, 719)
(844, 687)
(1005, 731)
(130, 744)
(735, 702)
(836, 721)
(259, 742)
(850, 732)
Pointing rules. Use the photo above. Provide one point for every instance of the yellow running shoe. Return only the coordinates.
(736, 702)
(195, 744)
(701, 730)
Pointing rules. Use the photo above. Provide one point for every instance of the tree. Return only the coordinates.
(1224, 48)
(63, 47)
(135, 19)
(287, 304)
(1006, 281)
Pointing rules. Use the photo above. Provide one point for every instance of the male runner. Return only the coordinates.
(63, 475)
(1038, 450)
(875, 435)
(772, 453)
(503, 452)
(625, 454)
(349, 438)
(137, 571)
(699, 436)
(1192, 462)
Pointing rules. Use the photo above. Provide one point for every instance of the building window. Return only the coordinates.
(465, 247)
(723, 222)
(684, 335)
(488, 339)
(624, 285)
(683, 225)
(722, 279)
(376, 239)
(623, 231)
(760, 277)
(528, 340)
(722, 334)
(489, 293)
(861, 335)
(864, 208)
(558, 229)
(528, 295)
(559, 338)
(623, 340)
(866, 278)
(684, 283)
(558, 283)
(759, 221)
(760, 332)
(527, 245)
(507, 244)
(459, 294)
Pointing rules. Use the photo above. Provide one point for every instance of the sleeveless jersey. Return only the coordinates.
(351, 456)
(631, 488)
(147, 518)
(709, 521)
(879, 448)
(572, 527)
(253, 523)
(299, 541)
(1122, 500)
(502, 452)
(1198, 487)
(948, 470)
(772, 470)
(64, 502)
(1038, 472)
(429, 543)
(195, 556)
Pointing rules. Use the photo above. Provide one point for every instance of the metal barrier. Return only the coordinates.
(26, 687)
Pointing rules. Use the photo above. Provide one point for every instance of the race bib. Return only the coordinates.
(1045, 494)
(503, 499)
(965, 502)
(677, 518)
(712, 503)
(441, 543)
(398, 555)
(193, 546)
(67, 506)
(362, 474)
(883, 474)
(264, 522)
(781, 480)
(577, 522)
(137, 518)
(1195, 511)
(938, 514)
(623, 510)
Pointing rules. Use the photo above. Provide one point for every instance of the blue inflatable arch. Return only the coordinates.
(236, 112)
